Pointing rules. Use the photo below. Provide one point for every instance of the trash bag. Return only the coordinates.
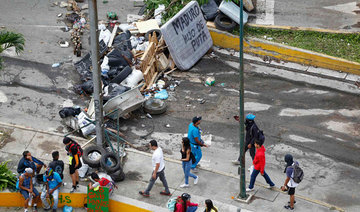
(122, 75)
(114, 90)
(88, 87)
(133, 79)
(86, 126)
(83, 67)
(114, 71)
(122, 41)
(210, 10)
(161, 94)
(67, 208)
(83, 169)
(69, 111)
(116, 58)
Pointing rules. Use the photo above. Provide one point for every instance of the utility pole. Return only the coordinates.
(242, 194)
(94, 41)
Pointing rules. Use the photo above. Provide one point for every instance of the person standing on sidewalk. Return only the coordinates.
(158, 164)
(194, 135)
(259, 166)
(290, 184)
(27, 189)
(251, 134)
(53, 183)
(75, 152)
(186, 158)
(57, 165)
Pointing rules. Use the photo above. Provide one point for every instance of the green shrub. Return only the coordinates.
(7, 178)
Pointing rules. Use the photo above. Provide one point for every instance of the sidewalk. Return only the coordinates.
(215, 185)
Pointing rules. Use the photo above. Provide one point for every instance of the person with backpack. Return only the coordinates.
(294, 175)
(183, 204)
(187, 159)
(57, 165)
(53, 183)
(259, 167)
(252, 133)
(27, 189)
(104, 182)
(210, 206)
(75, 152)
(194, 135)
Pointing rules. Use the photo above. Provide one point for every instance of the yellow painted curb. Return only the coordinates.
(76, 200)
(283, 52)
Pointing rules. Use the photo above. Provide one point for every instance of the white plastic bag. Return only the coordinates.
(133, 79)
(83, 170)
(81, 119)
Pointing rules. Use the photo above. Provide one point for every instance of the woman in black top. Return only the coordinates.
(186, 158)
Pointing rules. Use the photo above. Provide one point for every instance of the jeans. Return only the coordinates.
(252, 151)
(55, 195)
(255, 174)
(186, 165)
(160, 175)
(196, 150)
(191, 208)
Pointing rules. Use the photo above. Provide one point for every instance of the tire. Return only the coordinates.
(110, 169)
(88, 151)
(157, 31)
(118, 176)
(222, 22)
(142, 10)
(155, 106)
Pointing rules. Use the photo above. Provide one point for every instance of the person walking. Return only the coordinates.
(251, 134)
(210, 206)
(259, 166)
(186, 158)
(75, 152)
(53, 183)
(27, 190)
(194, 135)
(57, 165)
(184, 204)
(290, 184)
(158, 164)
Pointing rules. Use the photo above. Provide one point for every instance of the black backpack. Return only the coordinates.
(298, 173)
(259, 134)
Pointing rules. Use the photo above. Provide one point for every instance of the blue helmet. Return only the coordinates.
(250, 116)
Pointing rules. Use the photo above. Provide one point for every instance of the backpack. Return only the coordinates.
(78, 147)
(192, 157)
(171, 204)
(259, 134)
(298, 173)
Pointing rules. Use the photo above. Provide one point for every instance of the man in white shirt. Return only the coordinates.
(158, 170)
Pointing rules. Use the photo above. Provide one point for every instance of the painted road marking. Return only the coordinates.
(348, 8)
(304, 112)
(267, 6)
(300, 139)
(3, 97)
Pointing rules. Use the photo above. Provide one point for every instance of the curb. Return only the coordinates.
(283, 52)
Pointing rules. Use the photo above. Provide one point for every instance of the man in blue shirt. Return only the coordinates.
(53, 182)
(28, 161)
(194, 135)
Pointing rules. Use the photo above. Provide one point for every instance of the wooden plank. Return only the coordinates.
(113, 34)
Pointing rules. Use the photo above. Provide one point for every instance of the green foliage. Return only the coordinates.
(11, 39)
(7, 178)
(343, 45)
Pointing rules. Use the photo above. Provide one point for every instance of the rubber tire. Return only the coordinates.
(156, 109)
(110, 169)
(118, 176)
(224, 27)
(157, 31)
(90, 149)
(142, 10)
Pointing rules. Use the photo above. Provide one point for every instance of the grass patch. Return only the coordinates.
(346, 46)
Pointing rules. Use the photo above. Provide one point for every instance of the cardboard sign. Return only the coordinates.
(187, 36)
(98, 201)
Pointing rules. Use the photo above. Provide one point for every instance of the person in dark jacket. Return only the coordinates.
(259, 166)
(251, 133)
(28, 161)
(57, 165)
(290, 184)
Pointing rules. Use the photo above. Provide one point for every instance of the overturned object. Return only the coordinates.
(187, 36)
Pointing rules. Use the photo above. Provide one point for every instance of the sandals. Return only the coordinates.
(165, 193)
(144, 194)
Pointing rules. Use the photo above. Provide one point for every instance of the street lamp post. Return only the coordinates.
(242, 194)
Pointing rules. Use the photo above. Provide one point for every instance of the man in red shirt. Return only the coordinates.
(259, 166)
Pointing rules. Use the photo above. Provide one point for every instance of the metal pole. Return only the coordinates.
(242, 194)
(94, 39)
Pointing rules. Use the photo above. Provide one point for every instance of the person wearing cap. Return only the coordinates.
(74, 159)
(184, 204)
(290, 184)
(28, 190)
(158, 164)
(194, 135)
(251, 133)
(53, 182)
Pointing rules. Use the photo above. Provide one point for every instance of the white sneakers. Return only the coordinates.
(184, 186)
(249, 189)
(235, 162)
(196, 180)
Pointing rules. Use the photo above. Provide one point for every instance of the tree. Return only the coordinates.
(11, 39)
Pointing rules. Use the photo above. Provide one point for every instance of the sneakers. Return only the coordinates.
(270, 186)
(288, 207)
(249, 189)
(184, 186)
(165, 193)
(73, 189)
(196, 180)
(144, 194)
(235, 162)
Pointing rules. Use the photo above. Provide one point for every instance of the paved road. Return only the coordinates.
(326, 14)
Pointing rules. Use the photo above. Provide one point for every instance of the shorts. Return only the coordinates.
(26, 193)
(291, 191)
(72, 166)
